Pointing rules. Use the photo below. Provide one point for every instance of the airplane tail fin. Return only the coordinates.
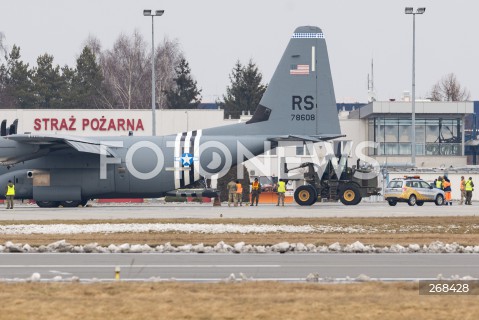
(300, 98)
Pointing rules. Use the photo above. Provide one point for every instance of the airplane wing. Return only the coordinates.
(44, 144)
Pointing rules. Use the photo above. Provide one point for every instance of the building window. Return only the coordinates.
(434, 137)
(300, 150)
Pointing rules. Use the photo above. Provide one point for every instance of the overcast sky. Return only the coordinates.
(213, 34)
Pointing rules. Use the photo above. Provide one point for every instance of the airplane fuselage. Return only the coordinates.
(143, 167)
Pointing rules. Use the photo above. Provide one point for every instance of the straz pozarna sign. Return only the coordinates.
(90, 124)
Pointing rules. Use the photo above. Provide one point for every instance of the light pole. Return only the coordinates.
(151, 14)
(410, 10)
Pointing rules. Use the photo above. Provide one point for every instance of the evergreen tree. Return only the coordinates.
(184, 94)
(47, 82)
(245, 91)
(68, 94)
(3, 86)
(17, 78)
(87, 80)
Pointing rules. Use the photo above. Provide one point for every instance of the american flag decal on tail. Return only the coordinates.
(299, 69)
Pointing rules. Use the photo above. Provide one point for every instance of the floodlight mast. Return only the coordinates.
(149, 13)
(410, 10)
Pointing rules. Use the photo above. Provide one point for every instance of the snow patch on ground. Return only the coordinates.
(240, 247)
(218, 228)
(152, 227)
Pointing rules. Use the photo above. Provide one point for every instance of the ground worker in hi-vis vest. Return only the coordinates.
(255, 191)
(10, 194)
(469, 186)
(281, 191)
(239, 193)
(463, 190)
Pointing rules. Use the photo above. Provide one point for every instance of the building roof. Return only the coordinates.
(405, 108)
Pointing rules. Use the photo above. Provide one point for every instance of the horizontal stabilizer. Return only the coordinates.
(315, 138)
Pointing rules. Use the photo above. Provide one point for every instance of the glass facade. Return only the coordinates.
(434, 137)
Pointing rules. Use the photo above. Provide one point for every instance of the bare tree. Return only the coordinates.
(3, 46)
(167, 56)
(449, 89)
(94, 44)
(125, 69)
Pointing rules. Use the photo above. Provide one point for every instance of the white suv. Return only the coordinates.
(412, 190)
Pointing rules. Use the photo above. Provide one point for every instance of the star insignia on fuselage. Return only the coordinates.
(186, 159)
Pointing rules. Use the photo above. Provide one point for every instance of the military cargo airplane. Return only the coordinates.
(55, 169)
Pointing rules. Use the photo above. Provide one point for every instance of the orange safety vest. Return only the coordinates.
(463, 185)
(446, 184)
(255, 185)
(239, 188)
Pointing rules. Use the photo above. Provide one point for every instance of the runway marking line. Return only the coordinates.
(139, 266)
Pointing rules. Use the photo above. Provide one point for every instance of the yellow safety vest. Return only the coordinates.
(469, 185)
(281, 186)
(439, 184)
(255, 185)
(11, 190)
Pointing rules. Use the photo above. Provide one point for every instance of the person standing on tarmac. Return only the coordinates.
(231, 186)
(10, 194)
(239, 193)
(439, 183)
(446, 184)
(463, 190)
(255, 191)
(469, 187)
(281, 191)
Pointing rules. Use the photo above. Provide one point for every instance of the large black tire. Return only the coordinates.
(392, 203)
(70, 204)
(412, 200)
(84, 202)
(48, 204)
(349, 195)
(419, 203)
(439, 200)
(305, 195)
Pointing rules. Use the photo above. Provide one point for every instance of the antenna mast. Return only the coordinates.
(371, 92)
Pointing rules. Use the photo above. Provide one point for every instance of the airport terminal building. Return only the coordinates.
(440, 131)
(440, 128)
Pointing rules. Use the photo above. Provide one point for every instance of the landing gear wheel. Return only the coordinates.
(84, 202)
(392, 203)
(419, 203)
(439, 200)
(412, 200)
(48, 204)
(350, 195)
(70, 204)
(305, 195)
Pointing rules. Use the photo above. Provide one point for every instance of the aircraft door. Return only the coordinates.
(122, 178)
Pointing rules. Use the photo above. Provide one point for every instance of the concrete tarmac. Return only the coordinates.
(213, 267)
(158, 211)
